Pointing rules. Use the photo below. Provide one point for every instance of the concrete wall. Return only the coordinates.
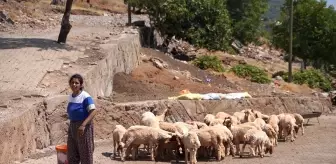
(45, 123)
(122, 56)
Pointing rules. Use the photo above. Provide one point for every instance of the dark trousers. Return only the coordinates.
(80, 148)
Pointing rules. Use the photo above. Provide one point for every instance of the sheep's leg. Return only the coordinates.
(256, 150)
(237, 149)
(302, 128)
(232, 151)
(276, 139)
(151, 150)
(186, 155)
(226, 149)
(114, 149)
(261, 149)
(292, 134)
(219, 152)
(285, 134)
(252, 149)
(280, 132)
(126, 149)
(243, 149)
(193, 155)
(134, 152)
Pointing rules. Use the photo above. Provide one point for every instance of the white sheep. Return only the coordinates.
(274, 121)
(137, 135)
(222, 115)
(260, 122)
(245, 116)
(287, 125)
(191, 143)
(258, 114)
(227, 139)
(167, 126)
(117, 134)
(238, 132)
(257, 139)
(211, 137)
(299, 122)
(199, 125)
(149, 119)
(216, 121)
(208, 118)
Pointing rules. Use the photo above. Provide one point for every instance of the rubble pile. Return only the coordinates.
(261, 53)
(182, 50)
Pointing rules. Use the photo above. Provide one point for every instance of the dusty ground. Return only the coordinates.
(317, 145)
(148, 82)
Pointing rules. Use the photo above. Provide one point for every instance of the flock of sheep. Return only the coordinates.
(218, 136)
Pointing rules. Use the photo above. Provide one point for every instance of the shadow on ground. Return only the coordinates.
(43, 44)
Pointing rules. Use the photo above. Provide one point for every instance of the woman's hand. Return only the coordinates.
(80, 130)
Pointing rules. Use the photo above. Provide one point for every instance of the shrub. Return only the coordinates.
(209, 62)
(252, 73)
(313, 78)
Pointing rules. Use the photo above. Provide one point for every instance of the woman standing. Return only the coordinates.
(81, 110)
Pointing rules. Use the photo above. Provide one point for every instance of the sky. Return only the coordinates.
(332, 2)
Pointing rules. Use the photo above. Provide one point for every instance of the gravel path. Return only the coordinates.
(316, 146)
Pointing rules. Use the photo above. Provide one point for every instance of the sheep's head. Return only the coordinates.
(296, 128)
(192, 138)
(228, 122)
(121, 146)
(269, 130)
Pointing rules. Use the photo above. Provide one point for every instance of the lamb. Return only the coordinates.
(274, 121)
(208, 118)
(287, 125)
(257, 138)
(222, 115)
(191, 143)
(299, 121)
(246, 116)
(210, 137)
(149, 119)
(227, 138)
(117, 134)
(137, 135)
(238, 132)
(260, 122)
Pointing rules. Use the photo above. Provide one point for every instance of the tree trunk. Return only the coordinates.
(65, 25)
(129, 14)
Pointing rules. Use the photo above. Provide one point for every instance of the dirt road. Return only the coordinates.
(317, 145)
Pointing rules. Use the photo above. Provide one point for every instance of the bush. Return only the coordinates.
(252, 73)
(313, 78)
(209, 62)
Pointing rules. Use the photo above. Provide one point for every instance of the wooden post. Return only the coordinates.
(65, 25)
(290, 43)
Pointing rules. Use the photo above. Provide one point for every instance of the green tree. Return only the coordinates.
(205, 23)
(246, 18)
(314, 28)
